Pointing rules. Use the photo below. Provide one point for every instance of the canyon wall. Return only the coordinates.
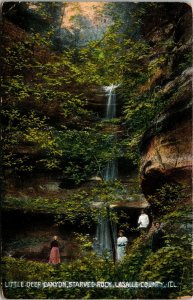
(166, 147)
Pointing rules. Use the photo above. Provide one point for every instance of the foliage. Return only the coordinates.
(154, 268)
(89, 206)
(131, 147)
(170, 263)
(54, 89)
(174, 261)
(56, 105)
(178, 231)
(142, 66)
(73, 208)
(21, 270)
(49, 95)
(80, 206)
(167, 197)
(34, 204)
(52, 12)
(27, 131)
(167, 264)
(86, 153)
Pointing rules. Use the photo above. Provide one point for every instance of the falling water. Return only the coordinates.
(103, 241)
(111, 102)
(111, 170)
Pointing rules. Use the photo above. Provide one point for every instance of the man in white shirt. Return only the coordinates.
(121, 245)
(143, 220)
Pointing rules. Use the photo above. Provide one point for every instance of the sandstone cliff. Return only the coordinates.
(166, 146)
(166, 154)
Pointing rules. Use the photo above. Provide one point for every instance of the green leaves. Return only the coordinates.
(85, 153)
(167, 197)
(29, 131)
(165, 265)
(42, 92)
(170, 263)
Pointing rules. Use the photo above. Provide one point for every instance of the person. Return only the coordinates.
(157, 238)
(143, 220)
(54, 253)
(121, 245)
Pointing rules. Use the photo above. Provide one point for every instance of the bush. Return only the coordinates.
(167, 197)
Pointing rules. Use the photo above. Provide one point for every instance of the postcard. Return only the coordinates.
(96, 135)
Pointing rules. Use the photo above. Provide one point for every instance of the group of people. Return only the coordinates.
(157, 241)
(122, 241)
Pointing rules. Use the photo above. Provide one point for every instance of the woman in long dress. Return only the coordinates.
(121, 245)
(54, 253)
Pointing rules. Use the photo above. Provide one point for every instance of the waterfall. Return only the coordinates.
(103, 242)
(105, 229)
(111, 102)
(111, 170)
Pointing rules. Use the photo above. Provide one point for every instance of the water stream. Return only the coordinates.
(105, 228)
(111, 171)
(111, 101)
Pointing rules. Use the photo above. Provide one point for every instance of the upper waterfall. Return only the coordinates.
(111, 102)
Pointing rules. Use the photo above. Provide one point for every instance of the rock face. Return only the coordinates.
(167, 158)
(167, 146)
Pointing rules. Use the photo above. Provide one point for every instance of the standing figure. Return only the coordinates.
(143, 220)
(54, 253)
(157, 238)
(121, 245)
